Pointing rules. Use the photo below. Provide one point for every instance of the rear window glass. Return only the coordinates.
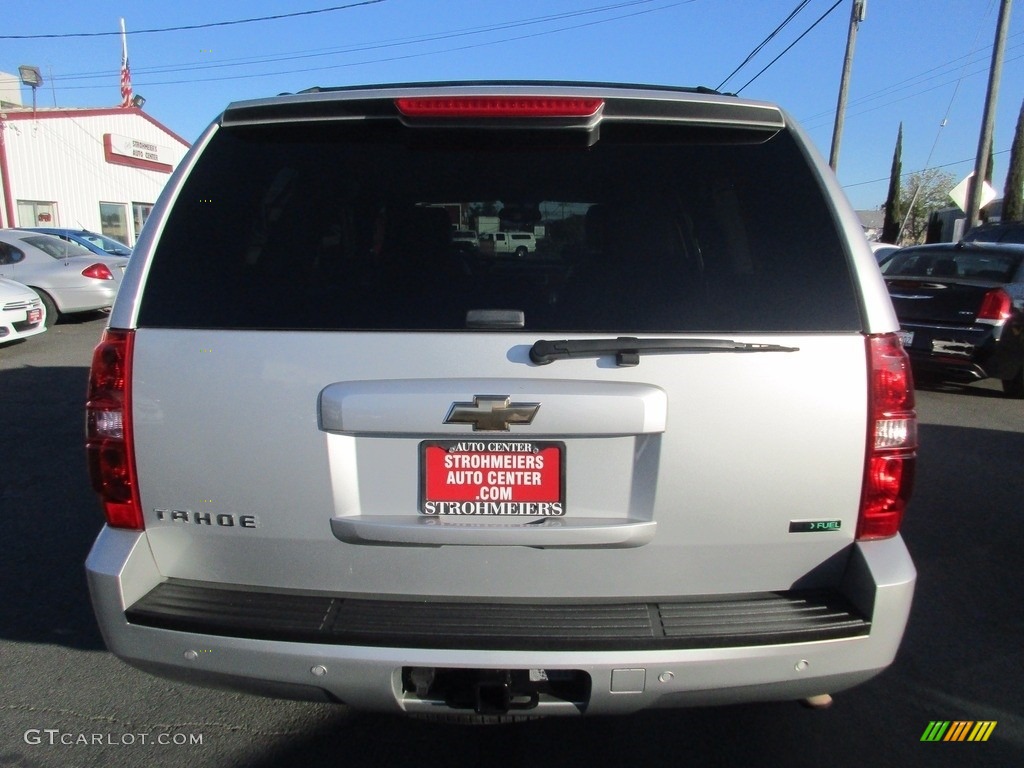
(57, 248)
(951, 263)
(999, 233)
(335, 226)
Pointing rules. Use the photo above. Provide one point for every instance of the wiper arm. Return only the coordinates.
(627, 349)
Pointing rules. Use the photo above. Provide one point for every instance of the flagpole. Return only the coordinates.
(126, 74)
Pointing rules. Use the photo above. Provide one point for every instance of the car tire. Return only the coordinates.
(1014, 387)
(52, 315)
(521, 252)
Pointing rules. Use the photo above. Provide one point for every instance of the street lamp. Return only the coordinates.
(33, 78)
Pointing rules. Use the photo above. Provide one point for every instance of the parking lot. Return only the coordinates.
(67, 701)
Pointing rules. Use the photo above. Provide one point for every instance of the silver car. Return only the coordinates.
(664, 463)
(21, 312)
(67, 277)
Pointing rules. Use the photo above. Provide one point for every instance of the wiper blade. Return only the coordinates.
(627, 349)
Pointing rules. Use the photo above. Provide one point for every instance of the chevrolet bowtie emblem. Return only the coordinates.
(493, 412)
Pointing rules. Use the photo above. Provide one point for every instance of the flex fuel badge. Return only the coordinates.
(814, 526)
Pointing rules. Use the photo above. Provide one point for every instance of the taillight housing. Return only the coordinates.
(498, 106)
(98, 271)
(996, 307)
(892, 439)
(108, 429)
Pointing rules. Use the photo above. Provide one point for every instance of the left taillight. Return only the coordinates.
(98, 271)
(109, 444)
(892, 439)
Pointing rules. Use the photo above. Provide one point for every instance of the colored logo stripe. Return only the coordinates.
(982, 730)
(935, 731)
(958, 730)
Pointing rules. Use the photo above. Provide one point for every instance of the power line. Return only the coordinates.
(923, 170)
(763, 43)
(275, 17)
(914, 81)
(770, 63)
(427, 53)
(810, 124)
(388, 43)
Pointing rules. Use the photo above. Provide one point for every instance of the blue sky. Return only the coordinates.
(919, 62)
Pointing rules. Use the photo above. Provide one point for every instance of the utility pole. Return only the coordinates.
(857, 15)
(985, 139)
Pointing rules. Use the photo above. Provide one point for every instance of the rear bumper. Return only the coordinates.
(86, 298)
(964, 353)
(307, 646)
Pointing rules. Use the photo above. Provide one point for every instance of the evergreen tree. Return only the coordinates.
(893, 208)
(1013, 195)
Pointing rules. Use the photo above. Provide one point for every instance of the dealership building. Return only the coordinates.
(97, 169)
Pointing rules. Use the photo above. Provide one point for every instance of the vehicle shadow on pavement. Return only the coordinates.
(769, 735)
(50, 514)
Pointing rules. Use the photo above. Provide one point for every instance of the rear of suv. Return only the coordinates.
(661, 463)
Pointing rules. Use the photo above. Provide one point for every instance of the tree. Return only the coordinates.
(893, 209)
(926, 191)
(1013, 195)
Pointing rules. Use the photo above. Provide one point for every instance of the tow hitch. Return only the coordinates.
(495, 691)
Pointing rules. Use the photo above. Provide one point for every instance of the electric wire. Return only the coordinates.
(770, 63)
(303, 70)
(209, 25)
(945, 118)
(384, 44)
(763, 43)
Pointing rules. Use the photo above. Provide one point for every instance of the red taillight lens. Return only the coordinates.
(108, 430)
(98, 271)
(892, 439)
(498, 106)
(996, 307)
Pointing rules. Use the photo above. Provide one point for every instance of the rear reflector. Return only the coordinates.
(498, 106)
(892, 439)
(108, 430)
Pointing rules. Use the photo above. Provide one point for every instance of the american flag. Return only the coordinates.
(126, 73)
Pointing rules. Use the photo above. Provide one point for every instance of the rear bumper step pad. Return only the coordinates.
(768, 618)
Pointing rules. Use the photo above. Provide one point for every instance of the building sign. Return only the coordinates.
(125, 150)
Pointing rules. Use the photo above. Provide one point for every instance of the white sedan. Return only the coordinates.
(21, 312)
(67, 277)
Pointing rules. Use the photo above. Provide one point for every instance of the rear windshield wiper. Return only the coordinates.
(627, 349)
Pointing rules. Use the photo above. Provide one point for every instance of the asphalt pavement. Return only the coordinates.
(65, 701)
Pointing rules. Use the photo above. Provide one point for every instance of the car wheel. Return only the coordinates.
(1014, 387)
(521, 252)
(52, 315)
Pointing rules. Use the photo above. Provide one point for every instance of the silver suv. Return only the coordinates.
(662, 462)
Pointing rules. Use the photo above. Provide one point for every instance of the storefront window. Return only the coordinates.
(36, 213)
(140, 212)
(114, 221)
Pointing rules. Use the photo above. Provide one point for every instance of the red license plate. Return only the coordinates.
(492, 477)
(34, 316)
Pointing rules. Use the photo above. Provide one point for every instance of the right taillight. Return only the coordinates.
(892, 439)
(996, 307)
(109, 430)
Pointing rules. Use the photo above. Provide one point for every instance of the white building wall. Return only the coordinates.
(61, 158)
